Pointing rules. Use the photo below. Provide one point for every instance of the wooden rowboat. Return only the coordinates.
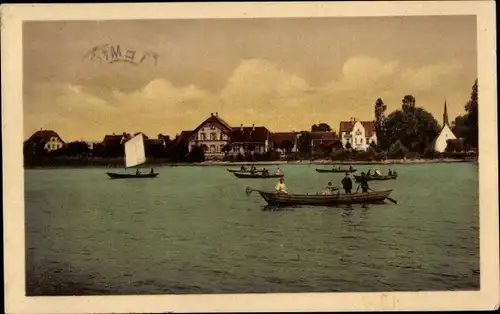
(245, 175)
(336, 170)
(278, 199)
(243, 171)
(377, 178)
(131, 176)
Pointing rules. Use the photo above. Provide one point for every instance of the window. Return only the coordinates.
(212, 126)
(212, 148)
(221, 136)
(203, 136)
(213, 136)
(361, 140)
(221, 147)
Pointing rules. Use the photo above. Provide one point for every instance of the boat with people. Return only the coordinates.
(244, 171)
(285, 199)
(377, 177)
(339, 170)
(135, 155)
(260, 175)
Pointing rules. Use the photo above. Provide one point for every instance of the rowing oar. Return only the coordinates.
(387, 197)
(249, 190)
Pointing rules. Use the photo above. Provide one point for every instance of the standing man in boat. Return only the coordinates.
(152, 171)
(137, 172)
(280, 187)
(243, 168)
(363, 183)
(347, 184)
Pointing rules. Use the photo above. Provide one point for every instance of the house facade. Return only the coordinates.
(217, 138)
(322, 141)
(360, 134)
(285, 142)
(50, 140)
(446, 134)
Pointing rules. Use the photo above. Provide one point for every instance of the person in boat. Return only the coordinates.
(152, 171)
(377, 172)
(369, 172)
(347, 184)
(243, 168)
(265, 172)
(280, 187)
(363, 183)
(350, 168)
(279, 171)
(390, 173)
(137, 172)
(328, 190)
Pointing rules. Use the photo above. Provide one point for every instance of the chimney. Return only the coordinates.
(211, 114)
(216, 114)
(241, 127)
(253, 127)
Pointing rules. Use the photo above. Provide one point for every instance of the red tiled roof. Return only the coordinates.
(44, 136)
(250, 134)
(326, 136)
(214, 119)
(184, 136)
(347, 126)
(280, 137)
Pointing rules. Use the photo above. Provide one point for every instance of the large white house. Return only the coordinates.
(214, 134)
(360, 134)
(445, 134)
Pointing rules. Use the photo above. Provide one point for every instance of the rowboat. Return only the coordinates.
(377, 178)
(135, 155)
(131, 176)
(279, 199)
(336, 170)
(244, 175)
(243, 171)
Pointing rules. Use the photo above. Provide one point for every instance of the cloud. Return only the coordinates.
(258, 91)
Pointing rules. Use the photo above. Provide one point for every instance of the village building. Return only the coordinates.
(285, 142)
(445, 134)
(218, 138)
(322, 141)
(360, 134)
(50, 140)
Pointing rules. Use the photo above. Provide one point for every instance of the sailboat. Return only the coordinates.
(134, 155)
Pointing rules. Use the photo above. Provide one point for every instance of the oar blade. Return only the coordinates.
(248, 190)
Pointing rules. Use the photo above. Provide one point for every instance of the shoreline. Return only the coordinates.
(319, 162)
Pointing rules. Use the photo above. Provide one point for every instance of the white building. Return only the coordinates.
(360, 134)
(445, 134)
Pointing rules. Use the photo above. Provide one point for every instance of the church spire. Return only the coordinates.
(445, 115)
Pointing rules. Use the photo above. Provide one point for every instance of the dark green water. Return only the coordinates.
(194, 230)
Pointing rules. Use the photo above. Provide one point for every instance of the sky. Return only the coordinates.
(282, 73)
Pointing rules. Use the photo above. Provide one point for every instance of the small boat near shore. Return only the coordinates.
(377, 178)
(281, 199)
(246, 175)
(131, 176)
(335, 170)
(243, 171)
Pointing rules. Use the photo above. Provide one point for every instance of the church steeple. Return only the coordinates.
(445, 115)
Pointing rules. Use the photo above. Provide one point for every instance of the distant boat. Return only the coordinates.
(245, 175)
(244, 171)
(135, 155)
(336, 170)
(377, 177)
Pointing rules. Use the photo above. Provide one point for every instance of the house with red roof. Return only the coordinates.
(284, 141)
(214, 134)
(322, 140)
(360, 134)
(50, 140)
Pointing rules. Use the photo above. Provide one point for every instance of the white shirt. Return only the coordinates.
(280, 187)
(278, 171)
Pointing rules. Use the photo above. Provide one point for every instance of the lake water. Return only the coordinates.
(194, 230)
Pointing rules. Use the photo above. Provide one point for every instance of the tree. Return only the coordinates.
(408, 103)
(415, 128)
(398, 150)
(304, 142)
(197, 154)
(459, 126)
(337, 145)
(472, 117)
(77, 148)
(322, 127)
(286, 146)
(380, 118)
(348, 145)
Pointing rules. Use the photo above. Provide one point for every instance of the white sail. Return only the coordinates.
(134, 151)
